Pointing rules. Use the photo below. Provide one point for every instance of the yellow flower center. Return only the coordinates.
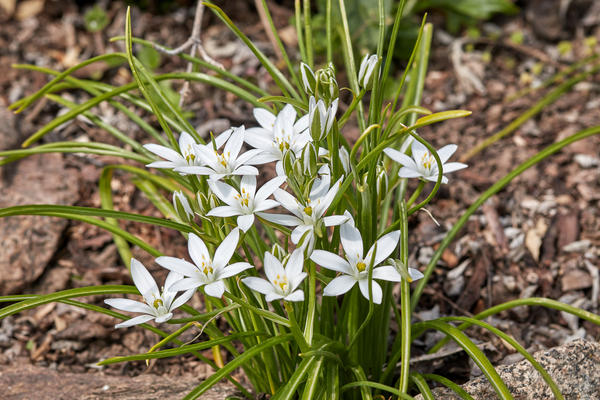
(282, 282)
(157, 303)
(308, 210)
(243, 198)
(361, 266)
(427, 160)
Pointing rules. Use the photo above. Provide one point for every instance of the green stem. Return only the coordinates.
(304, 347)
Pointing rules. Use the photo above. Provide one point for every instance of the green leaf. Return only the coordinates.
(149, 57)
(477, 9)
(95, 19)
(235, 363)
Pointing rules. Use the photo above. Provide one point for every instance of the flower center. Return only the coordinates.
(283, 145)
(427, 160)
(308, 211)
(222, 159)
(157, 303)
(281, 282)
(361, 266)
(243, 198)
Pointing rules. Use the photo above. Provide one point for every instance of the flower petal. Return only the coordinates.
(273, 296)
(140, 319)
(223, 191)
(164, 152)
(268, 188)
(234, 143)
(288, 201)
(245, 170)
(258, 284)
(178, 265)
(144, 282)
(407, 172)
(415, 274)
(223, 211)
(281, 219)
(400, 158)
(387, 273)
(331, 261)
(299, 231)
(453, 166)
(446, 152)
(234, 269)
(129, 305)
(334, 220)
(339, 285)
(245, 222)
(248, 185)
(163, 318)
(215, 289)
(298, 295)
(265, 205)
(363, 284)
(385, 246)
(197, 250)
(265, 118)
(186, 284)
(272, 267)
(226, 248)
(182, 299)
(351, 241)
(294, 264)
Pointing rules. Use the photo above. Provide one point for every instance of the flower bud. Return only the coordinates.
(203, 203)
(320, 119)
(345, 159)
(288, 162)
(278, 252)
(327, 87)
(381, 181)
(182, 206)
(365, 72)
(308, 78)
(309, 160)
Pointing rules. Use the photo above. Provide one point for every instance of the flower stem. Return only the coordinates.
(416, 193)
(304, 347)
(405, 327)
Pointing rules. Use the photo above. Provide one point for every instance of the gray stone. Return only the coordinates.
(29, 242)
(575, 367)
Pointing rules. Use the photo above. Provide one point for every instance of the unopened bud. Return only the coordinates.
(182, 206)
(278, 252)
(288, 162)
(382, 181)
(309, 160)
(320, 118)
(308, 78)
(345, 160)
(327, 87)
(368, 65)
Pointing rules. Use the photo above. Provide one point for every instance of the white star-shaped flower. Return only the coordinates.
(422, 164)
(355, 267)
(228, 162)
(189, 154)
(206, 271)
(246, 202)
(278, 134)
(308, 216)
(159, 306)
(281, 283)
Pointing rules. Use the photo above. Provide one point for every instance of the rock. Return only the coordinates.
(29, 242)
(25, 381)
(575, 279)
(575, 367)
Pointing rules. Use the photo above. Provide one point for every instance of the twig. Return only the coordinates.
(195, 43)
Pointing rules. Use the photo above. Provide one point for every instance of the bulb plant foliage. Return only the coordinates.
(297, 236)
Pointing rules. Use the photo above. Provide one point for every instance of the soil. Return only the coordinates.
(540, 236)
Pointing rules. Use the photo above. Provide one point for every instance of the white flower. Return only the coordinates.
(189, 156)
(182, 206)
(422, 164)
(355, 267)
(277, 135)
(159, 306)
(281, 283)
(246, 202)
(320, 118)
(206, 271)
(227, 163)
(365, 72)
(308, 216)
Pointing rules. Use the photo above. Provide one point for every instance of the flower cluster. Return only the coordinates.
(304, 187)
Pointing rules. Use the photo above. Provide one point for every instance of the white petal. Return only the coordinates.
(415, 274)
(296, 280)
(144, 282)
(400, 158)
(387, 273)
(251, 157)
(197, 250)
(258, 284)
(245, 222)
(273, 296)
(234, 269)
(385, 246)
(298, 295)
(248, 184)
(234, 144)
(195, 170)
(446, 152)
(418, 150)
(129, 305)
(223, 191)
(335, 220)
(186, 284)
(363, 284)
(261, 158)
(259, 138)
(222, 138)
(140, 319)
(288, 201)
(164, 152)
(162, 164)
(245, 170)
(339, 285)
(268, 188)
(351, 241)
(226, 248)
(272, 267)
(215, 289)
(223, 211)
(407, 172)
(434, 178)
(326, 201)
(331, 261)
(172, 277)
(178, 265)
(265, 118)
(453, 166)
(163, 318)
(294, 264)
(299, 231)
(182, 299)
(265, 205)
(301, 125)
(281, 219)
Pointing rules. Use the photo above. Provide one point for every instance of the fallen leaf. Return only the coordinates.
(29, 8)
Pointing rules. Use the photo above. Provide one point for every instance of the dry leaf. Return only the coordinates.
(29, 8)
